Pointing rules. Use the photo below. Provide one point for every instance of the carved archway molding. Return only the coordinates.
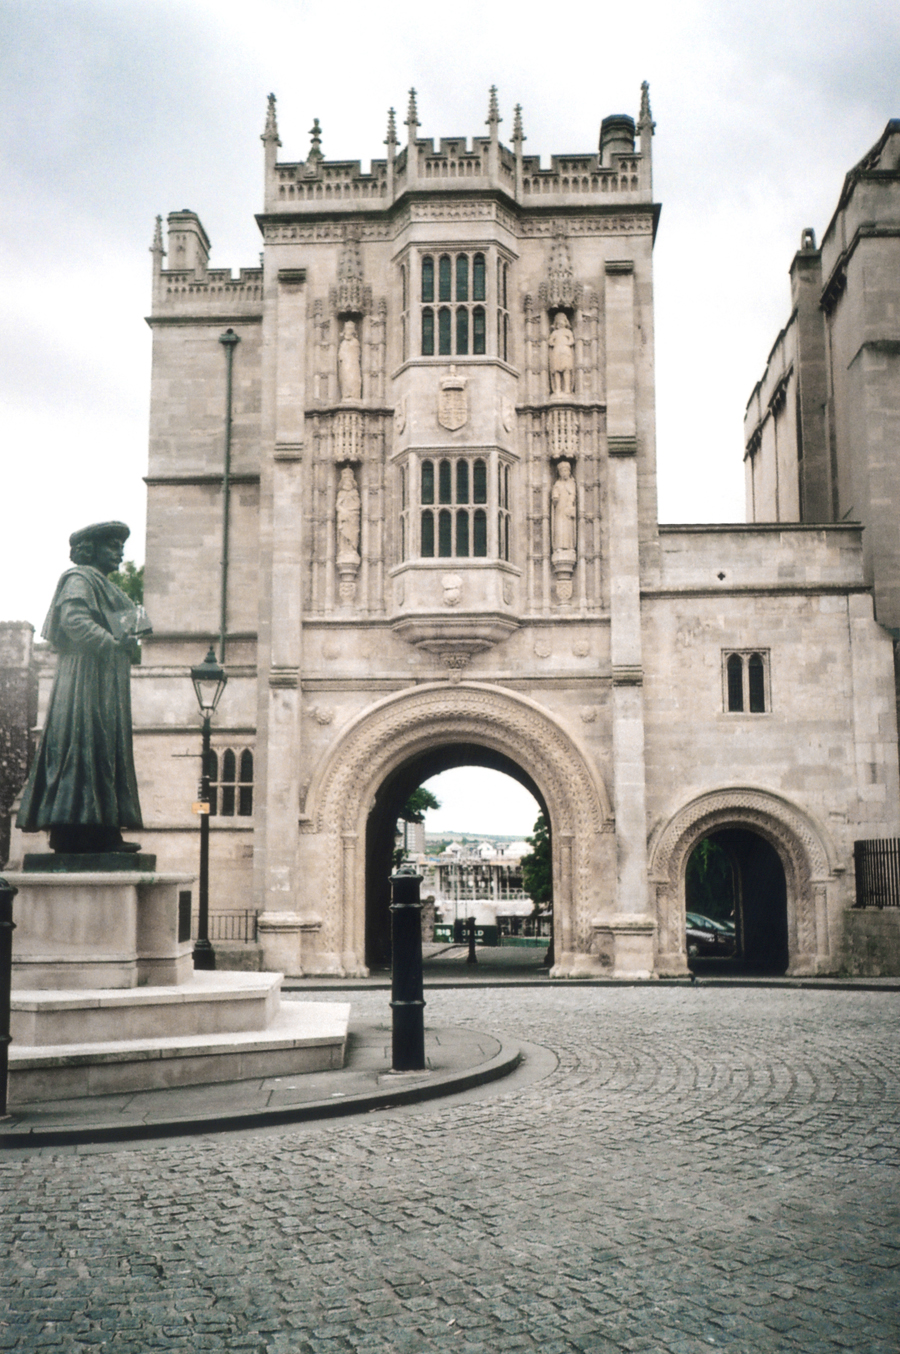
(804, 848)
(424, 718)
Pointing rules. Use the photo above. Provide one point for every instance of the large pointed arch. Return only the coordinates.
(803, 846)
(399, 729)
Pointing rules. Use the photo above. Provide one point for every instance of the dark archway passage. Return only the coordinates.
(759, 896)
(389, 800)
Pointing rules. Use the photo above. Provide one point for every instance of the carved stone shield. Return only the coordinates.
(453, 404)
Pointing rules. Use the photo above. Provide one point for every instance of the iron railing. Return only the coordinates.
(877, 864)
(230, 926)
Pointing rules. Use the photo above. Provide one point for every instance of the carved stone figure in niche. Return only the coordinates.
(564, 510)
(562, 355)
(348, 512)
(349, 369)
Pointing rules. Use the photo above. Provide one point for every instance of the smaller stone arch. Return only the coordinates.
(805, 851)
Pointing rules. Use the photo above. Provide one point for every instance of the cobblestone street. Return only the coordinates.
(695, 1168)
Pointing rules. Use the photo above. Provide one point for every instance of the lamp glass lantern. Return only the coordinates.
(209, 681)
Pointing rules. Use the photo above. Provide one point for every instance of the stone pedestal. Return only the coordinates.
(106, 999)
(99, 929)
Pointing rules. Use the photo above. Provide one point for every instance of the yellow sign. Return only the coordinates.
(200, 808)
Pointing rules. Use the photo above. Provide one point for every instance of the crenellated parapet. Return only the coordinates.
(621, 166)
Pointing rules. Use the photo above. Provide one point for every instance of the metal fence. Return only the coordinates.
(877, 866)
(230, 926)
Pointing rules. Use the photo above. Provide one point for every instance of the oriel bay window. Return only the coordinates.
(454, 508)
(459, 328)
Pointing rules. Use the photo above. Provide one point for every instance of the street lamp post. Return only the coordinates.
(209, 682)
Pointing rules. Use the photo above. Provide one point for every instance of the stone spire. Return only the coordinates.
(493, 118)
(646, 127)
(412, 116)
(412, 154)
(315, 150)
(158, 251)
(645, 119)
(518, 136)
(270, 131)
(271, 142)
(391, 142)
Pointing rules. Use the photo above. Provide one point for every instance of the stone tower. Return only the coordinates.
(435, 542)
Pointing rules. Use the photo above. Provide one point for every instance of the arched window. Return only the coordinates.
(445, 482)
(428, 332)
(462, 534)
(756, 682)
(444, 332)
(444, 278)
(428, 279)
(746, 681)
(462, 331)
(462, 277)
(478, 278)
(478, 331)
(245, 791)
(226, 785)
(479, 534)
(462, 480)
(428, 534)
(445, 541)
(479, 482)
(735, 668)
(428, 481)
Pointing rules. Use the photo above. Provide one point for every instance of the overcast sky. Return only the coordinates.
(115, 112)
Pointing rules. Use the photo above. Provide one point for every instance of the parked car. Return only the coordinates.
(708, 937)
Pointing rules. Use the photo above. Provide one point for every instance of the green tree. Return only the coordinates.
(709, 881)
(419, 802)
(413, 811)
(537, 867)
(130, 579)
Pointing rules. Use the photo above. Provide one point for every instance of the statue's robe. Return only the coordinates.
(83, 773)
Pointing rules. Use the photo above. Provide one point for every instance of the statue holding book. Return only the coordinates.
(82, 785)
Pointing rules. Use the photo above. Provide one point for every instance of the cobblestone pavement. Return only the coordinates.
(700, 1169)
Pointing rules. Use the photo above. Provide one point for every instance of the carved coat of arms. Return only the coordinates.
(453, 403)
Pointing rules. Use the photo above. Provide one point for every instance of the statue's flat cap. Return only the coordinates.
(100, 531)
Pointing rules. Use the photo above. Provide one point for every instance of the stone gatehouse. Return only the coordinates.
(403, 476)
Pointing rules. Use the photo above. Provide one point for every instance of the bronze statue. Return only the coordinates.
(82, 785)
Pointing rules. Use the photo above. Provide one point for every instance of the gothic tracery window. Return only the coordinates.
(231, 783)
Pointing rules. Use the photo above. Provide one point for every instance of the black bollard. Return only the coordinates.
(471, 957)
(407, 1002)
(7, 926)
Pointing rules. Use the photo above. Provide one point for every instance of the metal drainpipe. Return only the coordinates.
(230, 340)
